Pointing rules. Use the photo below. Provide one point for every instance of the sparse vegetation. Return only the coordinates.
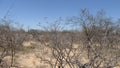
(94, 44)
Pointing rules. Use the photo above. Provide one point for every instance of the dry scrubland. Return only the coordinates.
(93, 43)
(30, 57)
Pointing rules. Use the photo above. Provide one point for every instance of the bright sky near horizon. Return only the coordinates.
(30, 12)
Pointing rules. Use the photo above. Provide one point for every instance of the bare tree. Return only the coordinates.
(99, 38)
(10, 39)
(60, 45)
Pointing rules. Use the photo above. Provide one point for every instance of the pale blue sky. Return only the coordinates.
(30, 12)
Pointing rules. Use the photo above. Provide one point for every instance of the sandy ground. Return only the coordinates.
(30, 60)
